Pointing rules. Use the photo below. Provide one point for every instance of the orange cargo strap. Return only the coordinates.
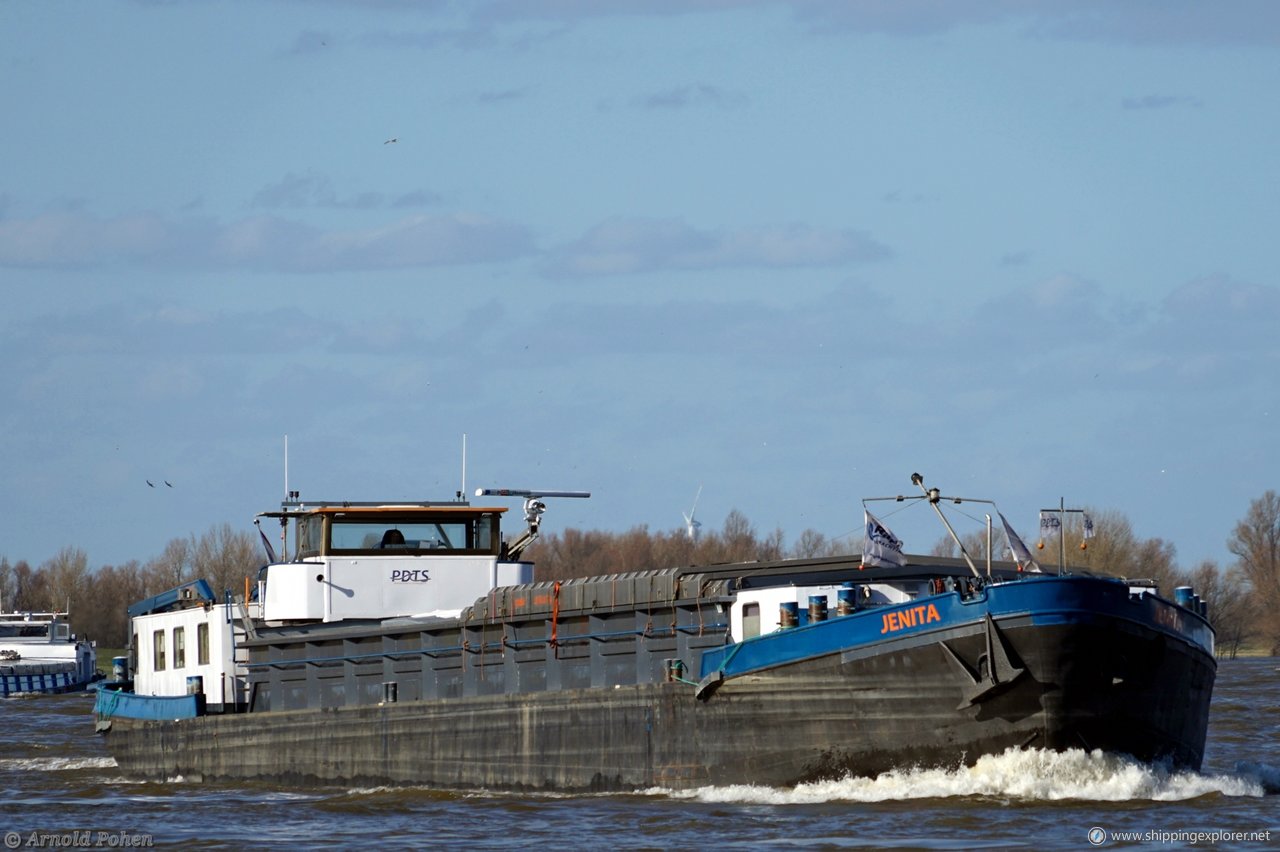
(555, 610)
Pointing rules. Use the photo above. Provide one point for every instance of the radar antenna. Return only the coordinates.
(533, 509)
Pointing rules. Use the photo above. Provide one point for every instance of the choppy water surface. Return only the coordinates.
(58, 784)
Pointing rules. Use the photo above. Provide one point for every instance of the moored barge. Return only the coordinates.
(40, 654)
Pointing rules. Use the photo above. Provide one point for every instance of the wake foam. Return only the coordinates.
(55, 764)
(1032, 774)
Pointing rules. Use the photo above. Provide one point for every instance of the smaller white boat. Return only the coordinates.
(40, 654)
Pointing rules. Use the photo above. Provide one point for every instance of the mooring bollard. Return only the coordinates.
(846, 600)
(817, 608)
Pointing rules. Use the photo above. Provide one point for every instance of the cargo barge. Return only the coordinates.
(407, 644)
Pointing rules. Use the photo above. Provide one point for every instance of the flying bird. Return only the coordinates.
(168, 483)
(152, 484)
(389, 141)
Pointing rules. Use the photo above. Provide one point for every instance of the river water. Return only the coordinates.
(59, 787)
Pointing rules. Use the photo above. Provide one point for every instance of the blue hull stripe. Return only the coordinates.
(1044, 600)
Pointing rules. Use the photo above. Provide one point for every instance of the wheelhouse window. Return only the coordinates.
(17, 630)
(157, 650)
(389, 534)
(310, 536)
(202, 644)
(179, 647)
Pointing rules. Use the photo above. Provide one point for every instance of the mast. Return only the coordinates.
(988, 547)
(933, 496)
(1062, 511)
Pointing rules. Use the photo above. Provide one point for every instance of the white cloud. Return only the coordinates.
(1137, 21)
(698, 95)
(311, 189)
(75, 239)
(260, 243)
(626, 245)
(1216, 330)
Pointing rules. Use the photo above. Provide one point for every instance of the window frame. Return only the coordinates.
(157, 650)
(179, 647)
(202, 643)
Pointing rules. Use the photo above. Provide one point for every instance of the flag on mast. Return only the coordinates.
(271, 551)
(1020, 553)
(880, 548)
(1050, 525)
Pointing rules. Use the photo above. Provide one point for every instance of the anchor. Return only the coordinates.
(995, 677)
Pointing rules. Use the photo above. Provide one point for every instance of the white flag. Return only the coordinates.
(1020, 553)
(1050, 525)
(880, 548)
(1088, 526)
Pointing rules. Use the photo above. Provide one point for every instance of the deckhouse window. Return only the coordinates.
(179, 647)
(202, 644)
(157, 650)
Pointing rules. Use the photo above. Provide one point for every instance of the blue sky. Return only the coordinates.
(789, 252)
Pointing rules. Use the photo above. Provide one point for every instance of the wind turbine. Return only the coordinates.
(690, 525)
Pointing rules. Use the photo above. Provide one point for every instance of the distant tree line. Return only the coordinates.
(98, 599)
(1243, 598)
(579, 553)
